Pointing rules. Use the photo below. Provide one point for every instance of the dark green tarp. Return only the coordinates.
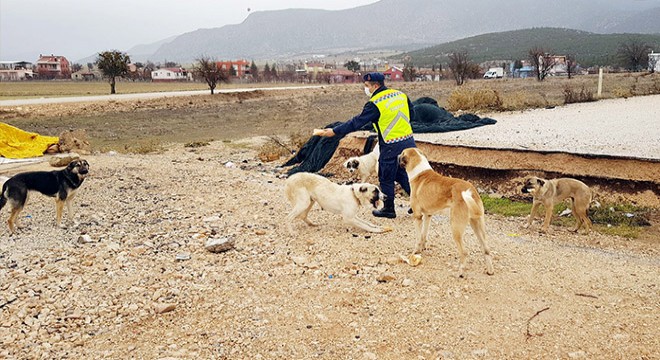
(428, 117)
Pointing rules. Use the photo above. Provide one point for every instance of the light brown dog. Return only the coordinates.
(551, 192)
(432, 193)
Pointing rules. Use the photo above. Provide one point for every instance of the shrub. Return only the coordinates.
(622, 93)
(571, 96)
(521, 100)
(474, 99)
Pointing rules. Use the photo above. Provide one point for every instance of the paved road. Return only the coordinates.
(153, 95)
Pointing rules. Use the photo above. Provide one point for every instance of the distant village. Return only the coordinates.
(58, 67)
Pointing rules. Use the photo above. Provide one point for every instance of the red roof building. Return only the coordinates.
(393, 74)
(241, 67)
(53, 67)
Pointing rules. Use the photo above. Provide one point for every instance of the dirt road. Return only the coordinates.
(313, 295)
(619, 127)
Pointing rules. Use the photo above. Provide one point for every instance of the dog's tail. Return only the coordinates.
(475, 209)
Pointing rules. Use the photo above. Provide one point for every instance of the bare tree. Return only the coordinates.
(208, 70)
(460, 66)
(542, 62)
(571, 65)
(633, 54)
(75, 67)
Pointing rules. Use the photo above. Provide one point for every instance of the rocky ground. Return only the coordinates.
(133, 280)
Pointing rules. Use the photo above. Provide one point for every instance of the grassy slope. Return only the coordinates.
(589, 48)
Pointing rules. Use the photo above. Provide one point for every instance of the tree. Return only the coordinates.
(460, 66)
(633, 54)
(542, 62)
(113, 64)
(267, 76)
(408, 69)
(571, 65)
(352, 65)
(75, 67)
(208, 70)
(254, 71)
(171, 64)
(273, 72)
(517, 64)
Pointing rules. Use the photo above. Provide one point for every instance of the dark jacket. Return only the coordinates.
(370, 115)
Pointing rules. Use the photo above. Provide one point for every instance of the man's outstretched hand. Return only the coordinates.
(323, 132)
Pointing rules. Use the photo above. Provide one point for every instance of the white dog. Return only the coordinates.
(365, 165)
(305, 189)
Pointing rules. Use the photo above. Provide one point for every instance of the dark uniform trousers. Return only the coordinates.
(389, 170)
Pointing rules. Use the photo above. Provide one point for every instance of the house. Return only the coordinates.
(393, 74)
(654, 62)
(241, 67)
(15, 70)
(170, 74)
(86, 75)
(53, 67)
(340, 76)
(559, 67)
(524, 72)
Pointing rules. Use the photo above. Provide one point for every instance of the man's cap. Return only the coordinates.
(374, 76)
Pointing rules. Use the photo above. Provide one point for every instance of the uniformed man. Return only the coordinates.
(390, 112)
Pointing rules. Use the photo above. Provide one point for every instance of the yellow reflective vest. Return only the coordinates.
(394, 121)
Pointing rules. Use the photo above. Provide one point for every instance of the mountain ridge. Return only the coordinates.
(412, 24)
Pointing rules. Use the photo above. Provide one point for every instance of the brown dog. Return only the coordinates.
(551, 192)
(432, 193)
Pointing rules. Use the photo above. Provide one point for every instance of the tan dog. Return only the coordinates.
(551, 192)
(305, 189)
(432, 193)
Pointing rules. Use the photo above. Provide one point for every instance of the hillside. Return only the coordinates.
(589, 48)
(391, 24)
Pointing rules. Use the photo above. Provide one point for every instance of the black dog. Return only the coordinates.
(61, 184)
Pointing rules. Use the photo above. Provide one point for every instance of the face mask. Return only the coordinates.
(366, 91)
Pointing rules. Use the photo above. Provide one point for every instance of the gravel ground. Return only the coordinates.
(124, 295)
(621, 127)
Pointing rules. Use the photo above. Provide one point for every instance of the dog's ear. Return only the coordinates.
(403, 161)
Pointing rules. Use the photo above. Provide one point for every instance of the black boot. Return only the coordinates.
(387, 211)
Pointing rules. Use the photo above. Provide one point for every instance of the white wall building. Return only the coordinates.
(170, 74)
(15, 70)
(654, 61)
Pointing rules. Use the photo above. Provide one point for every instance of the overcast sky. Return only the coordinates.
(81, 28)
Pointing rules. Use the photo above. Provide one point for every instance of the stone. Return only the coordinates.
(85, 239)
(60, 160)
(385, 277)
(161, 308)
(219, 245)
(182, 257)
